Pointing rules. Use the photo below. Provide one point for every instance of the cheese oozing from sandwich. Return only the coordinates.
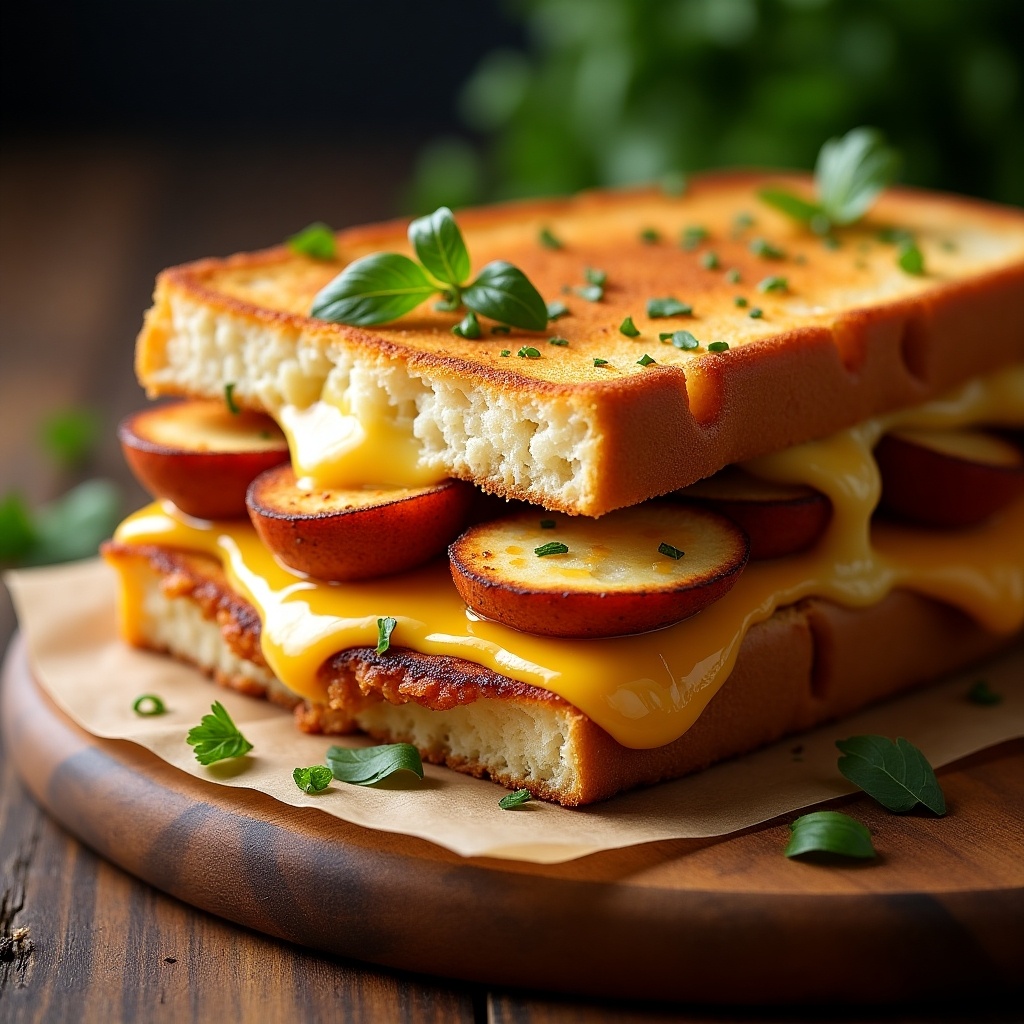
(645, 690)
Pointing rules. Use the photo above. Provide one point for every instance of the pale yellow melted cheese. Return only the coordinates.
(648, 689)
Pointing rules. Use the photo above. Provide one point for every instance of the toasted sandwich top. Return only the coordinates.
(839, 334)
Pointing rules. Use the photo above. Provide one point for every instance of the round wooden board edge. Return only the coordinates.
(583, 927)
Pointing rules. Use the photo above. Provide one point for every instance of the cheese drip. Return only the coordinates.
(645, 690)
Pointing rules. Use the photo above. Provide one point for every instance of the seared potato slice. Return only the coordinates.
(779, 519)
(354, 534)
(628, 572)
(948, 478)
(199, 455)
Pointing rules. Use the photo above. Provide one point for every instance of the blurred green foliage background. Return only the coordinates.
(609, 92)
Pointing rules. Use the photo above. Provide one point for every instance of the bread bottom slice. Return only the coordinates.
(808, 663)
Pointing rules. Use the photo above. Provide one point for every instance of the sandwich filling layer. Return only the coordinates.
(648, 689)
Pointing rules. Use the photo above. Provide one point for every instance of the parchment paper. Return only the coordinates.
(67, 616)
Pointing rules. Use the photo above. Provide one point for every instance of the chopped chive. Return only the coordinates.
(670, 550)
(148, 704)
(658, 308)
(547, 524)
(553, 547)
(732, 276)
(709, 260)
(911, 259)
(773, 284)
(718, 346)
(649, 236)
(562, 342)
(557, 309)
(548, 240)
(756, 313)
(229, 399)
(692, 237)
(600, 362)
(385, 627)
(680, 339)
(528, 352)
(740, 301)
(763, 248)
(468, 327)
(628, 328)
(644, 360)
(510, 801)
(593, 275)
(501, 329)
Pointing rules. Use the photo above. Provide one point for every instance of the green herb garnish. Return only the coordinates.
(742, 221)
(217, 738)
(548, 240)
(600, 362)
(553, 547)
(680, 339)
(756, 313)
(670, 551)
(628, 328)
(528, 352)
(649, 236)
(383, 286)
(980, 693)
(829, 832)
(593, 275)
(385, 627)
(740, 301)
(229, 399)
(773, 284)
(733, 276)
(692, 237)
(468, 327)
(148, 705)
(709, 260)
(547, 524)
(505, 353)
(315, 241)
(314, 779)
(897, 775)
(363, 766)
(561, 342)
(557, 309)
(591, 292)
(850, 174)
(911, 259)
(659, 308)
(763, 248)
(644, 360)
(718, 346)
(512, 800)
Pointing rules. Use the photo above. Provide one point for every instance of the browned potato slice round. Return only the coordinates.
(354, 534)
(779, 519)
(948, 478)
(199, 455)
(630, 571)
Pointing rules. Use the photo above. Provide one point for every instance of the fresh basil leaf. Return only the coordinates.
(385, 627)
(829, 832)
(373, 290)
(363, 766)
(512, 800)
(851, 173)
(315, 241)
(314, 779)
(216, 737)
(503, 292)
(645, 360)
(440, 246)
(17, 534)
(70, 435)
(897, 775)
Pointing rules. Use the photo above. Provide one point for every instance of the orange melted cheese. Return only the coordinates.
(648, 689)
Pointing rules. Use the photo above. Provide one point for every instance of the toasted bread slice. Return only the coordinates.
(849, 335)
(807, 663)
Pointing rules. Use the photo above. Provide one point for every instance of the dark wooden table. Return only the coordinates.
(85, 226)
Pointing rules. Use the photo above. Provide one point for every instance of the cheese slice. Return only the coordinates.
(648, 689)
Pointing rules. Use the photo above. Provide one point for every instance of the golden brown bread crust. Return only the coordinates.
(809, 663)
(852, 337)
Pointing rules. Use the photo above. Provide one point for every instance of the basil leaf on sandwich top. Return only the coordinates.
(384, 286)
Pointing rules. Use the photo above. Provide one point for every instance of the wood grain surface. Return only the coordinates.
(86, 224)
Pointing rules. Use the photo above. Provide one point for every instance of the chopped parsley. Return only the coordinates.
(528, 352)
(692, 237)
(649, 236)
(557, 309)
(709, 260)
(644, 360)
(600, 362)
(775, 283)
(561, 342)
(628, 328)
(680, 339)
(718, 346)
(668, 306)
(553, 547)
(763, 248)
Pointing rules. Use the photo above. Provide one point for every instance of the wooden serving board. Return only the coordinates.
(941, 912)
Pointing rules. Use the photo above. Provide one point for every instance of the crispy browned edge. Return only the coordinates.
(807, 664)
(795, 386)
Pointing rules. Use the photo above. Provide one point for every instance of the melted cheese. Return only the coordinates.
(648, 689)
